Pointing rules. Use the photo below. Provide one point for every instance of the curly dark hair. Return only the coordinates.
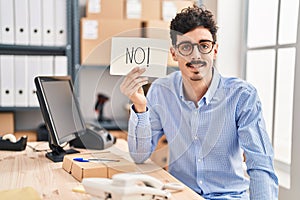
(191, 18)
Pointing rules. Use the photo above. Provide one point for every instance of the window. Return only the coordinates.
(271, 47)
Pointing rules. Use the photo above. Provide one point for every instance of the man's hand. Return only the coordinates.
(132, 88)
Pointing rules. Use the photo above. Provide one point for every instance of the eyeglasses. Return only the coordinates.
(186, 48)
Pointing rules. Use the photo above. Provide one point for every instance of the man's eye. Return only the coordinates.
(204, 45)
(185, 47)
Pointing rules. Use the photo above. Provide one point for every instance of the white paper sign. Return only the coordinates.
(128, 52)
(94, 6)
(90, 29)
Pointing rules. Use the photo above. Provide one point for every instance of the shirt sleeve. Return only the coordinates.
(139, 136)
(257, 147)
(144, 132)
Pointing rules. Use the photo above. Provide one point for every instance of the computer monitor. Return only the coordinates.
(61, 113)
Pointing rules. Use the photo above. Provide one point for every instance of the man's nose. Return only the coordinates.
(196, 54)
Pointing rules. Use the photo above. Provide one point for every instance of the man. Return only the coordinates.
(209, 121)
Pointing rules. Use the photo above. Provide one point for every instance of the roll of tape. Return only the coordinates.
(9, 137)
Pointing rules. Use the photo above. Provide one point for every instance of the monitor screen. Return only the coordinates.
(59, 108)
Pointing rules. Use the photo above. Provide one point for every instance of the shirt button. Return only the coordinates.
(196, 137)
(199, 160)
(200, 182)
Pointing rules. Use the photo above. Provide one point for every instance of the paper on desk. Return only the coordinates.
(128, 52)
(26, 193)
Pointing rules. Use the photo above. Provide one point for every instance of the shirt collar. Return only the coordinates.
(211, 90)
(213, 86)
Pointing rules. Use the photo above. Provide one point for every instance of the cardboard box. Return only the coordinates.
(171, 7)
(143, 9)
(96, 38)
(151, 10)
(31, 135)
(80, 170)
(6, 123)
(105, 9)
(159, 29)
(120, 167)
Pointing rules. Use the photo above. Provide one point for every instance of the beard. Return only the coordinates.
(196, 64)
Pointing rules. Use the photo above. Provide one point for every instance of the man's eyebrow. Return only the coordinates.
(205, 41)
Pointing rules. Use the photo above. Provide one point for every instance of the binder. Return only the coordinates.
(35, 22)
(48, 22)
(46, 67)
(34, 63)
(60, 66)
(7, 21)
(60, 33)
(21, 84)
(7, 80)
(21, 22)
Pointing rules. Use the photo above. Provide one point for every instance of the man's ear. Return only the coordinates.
(216, 51)
(173, 53)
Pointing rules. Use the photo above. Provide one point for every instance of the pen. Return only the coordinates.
(94, 159)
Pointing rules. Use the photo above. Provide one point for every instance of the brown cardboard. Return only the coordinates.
(6, 123)
(80, 170)
(108, 9)
(31, 135)
(151, 10)
(97, 51)
(159, 29)
(67, 163)
(120, 167)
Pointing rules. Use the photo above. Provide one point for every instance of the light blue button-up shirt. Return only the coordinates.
(206, 142)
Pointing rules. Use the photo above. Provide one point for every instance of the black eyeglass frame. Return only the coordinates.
(197, 44)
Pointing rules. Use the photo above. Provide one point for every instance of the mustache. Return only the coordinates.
(195, 62)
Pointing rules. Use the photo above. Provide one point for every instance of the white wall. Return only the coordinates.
(229, 20)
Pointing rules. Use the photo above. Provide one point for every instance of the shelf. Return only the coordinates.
(6, 49)
(12, 109)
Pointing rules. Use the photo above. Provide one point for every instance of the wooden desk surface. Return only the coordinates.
(29, 168)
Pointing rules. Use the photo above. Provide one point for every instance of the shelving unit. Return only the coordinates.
(70, 50)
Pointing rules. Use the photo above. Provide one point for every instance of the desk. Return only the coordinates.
(29, 168)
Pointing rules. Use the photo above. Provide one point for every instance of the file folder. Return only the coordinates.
(21, 22)
(35, 22)
(34, 63)
(46, 67)
(7, 21)
(48, 22)
(60, 66)
(21, 83)
(60, 34)
(7, 80)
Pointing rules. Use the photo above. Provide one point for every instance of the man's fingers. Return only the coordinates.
(134, 86)
(138, 86)
(135, 72)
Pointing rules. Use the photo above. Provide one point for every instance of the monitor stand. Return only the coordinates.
(57, 154)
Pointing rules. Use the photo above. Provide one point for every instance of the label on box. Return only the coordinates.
(128, 52)
(90, 29)
(134, 9)
(94, 6)
(169, 10)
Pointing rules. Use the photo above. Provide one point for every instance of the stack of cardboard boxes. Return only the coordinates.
(104, 169)
(124, 18)
(6, 123)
